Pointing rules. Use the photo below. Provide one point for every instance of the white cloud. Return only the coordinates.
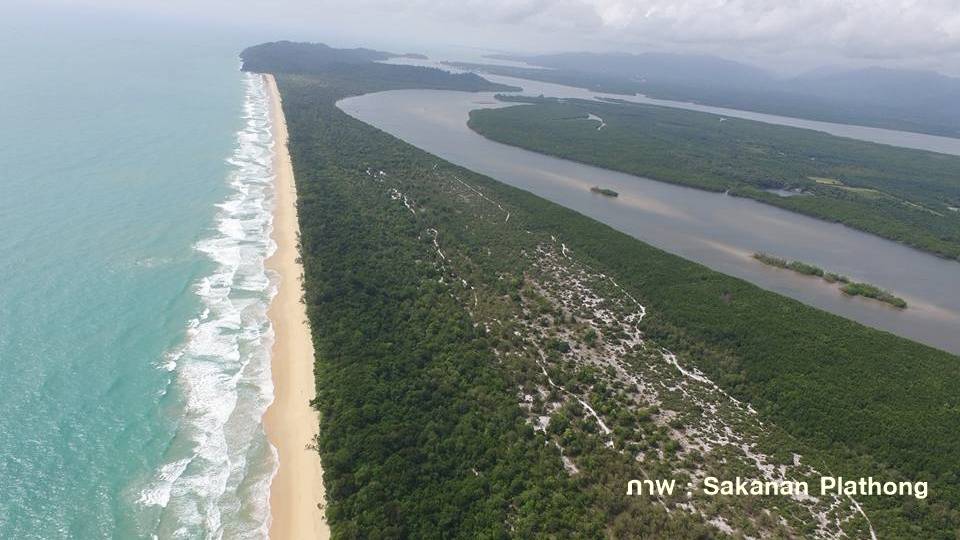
(919, 32)
(897, 30)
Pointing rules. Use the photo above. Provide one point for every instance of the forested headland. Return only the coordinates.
(490, 364)
(900, 194)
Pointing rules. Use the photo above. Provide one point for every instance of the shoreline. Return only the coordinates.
(290, 423)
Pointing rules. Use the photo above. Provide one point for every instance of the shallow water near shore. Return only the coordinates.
(133, 335)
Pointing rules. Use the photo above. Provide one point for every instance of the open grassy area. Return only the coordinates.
(826, 181)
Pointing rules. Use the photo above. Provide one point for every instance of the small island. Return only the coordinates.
(848, 288)
(604, 191)
(870, 291)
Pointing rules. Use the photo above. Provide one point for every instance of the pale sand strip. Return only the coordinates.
(291, 424)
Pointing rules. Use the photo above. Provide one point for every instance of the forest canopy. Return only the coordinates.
(423, 429)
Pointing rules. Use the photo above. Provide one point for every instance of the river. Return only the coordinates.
(713, 229)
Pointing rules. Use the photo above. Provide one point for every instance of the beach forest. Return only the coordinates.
(490, 364)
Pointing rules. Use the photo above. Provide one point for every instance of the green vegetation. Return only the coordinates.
(356, 70)
(851, 289)
(771, 260)
(604, 191)
(796, 266)
(425, 421)
(900, 194)
(871, 291)
(805, 269)
(422, 436)
(830, 277)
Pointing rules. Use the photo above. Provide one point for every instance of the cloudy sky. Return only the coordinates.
(786, 35)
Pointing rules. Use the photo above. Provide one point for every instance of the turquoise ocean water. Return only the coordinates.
(135, 196)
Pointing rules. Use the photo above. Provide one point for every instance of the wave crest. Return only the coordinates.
(219, 462)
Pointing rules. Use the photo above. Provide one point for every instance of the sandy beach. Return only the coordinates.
(291, 424)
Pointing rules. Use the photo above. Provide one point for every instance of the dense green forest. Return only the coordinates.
(900, 194)
(434, 298)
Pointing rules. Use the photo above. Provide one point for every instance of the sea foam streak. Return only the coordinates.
(216, 475)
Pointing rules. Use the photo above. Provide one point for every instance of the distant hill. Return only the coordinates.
(926, 97)
(294, 57)
(921, 101)
(659, 67)
(881, 86)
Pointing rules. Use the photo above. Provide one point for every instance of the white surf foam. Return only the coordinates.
(215, 479)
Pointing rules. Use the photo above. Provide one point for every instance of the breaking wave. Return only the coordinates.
(215, 478)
